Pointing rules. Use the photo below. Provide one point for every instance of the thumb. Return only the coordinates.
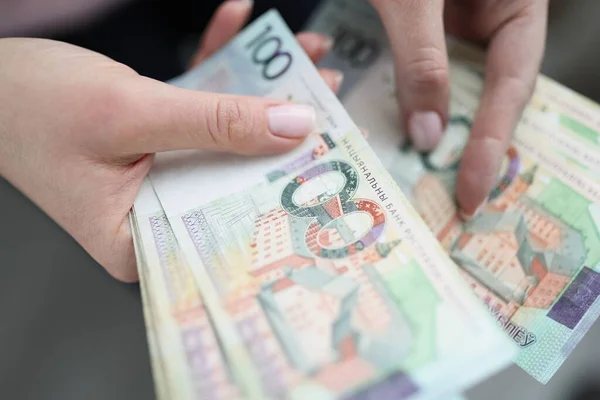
(416, 32)
(165, 118)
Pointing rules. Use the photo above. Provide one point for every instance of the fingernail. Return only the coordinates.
(337, 80)
(425, 130)
(466, 217)
(327, 44)
(246, 3)
(292, 121)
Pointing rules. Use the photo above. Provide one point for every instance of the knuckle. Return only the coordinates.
(108, 105)
(428, 68)
(517, 89)
(123, 272)
(233, 121)
(111, 99)
(117, 256)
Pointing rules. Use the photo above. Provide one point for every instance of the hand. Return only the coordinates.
(78, 131)
(515, 32)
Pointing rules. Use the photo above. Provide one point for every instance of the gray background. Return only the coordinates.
(68, 331)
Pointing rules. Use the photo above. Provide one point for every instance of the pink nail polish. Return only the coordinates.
(425, 130)
(247, 3)
(292, 121)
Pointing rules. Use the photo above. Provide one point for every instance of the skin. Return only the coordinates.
(514, 32)
(78, 130)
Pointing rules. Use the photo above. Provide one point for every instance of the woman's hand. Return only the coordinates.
(78, 131)
(515, 32)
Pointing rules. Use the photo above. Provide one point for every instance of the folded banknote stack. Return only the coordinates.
(340, 269)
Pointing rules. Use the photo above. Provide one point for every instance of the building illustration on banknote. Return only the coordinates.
(519, 254)
(302, 299)
(530, 256)
(335, 292)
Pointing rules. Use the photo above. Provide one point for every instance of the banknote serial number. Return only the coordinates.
(267, 52)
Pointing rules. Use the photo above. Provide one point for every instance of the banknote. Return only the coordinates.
(187, 359)
(156, 359)
(568, 120)
(320, 279)
(356, 45)
(532, 255)
(326, 315)
(163, 388)
(571, 119)
(196, 354)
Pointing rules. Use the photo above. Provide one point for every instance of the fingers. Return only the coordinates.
(332, 78)
(231, 17)
(171, 118)
(514, 58)
(227, 21)
(315, 45)
(416, 32)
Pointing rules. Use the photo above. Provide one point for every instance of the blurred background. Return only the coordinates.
(69, 331)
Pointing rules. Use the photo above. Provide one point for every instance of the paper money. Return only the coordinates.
(572, 120)
(566, 120)
(319, 277)
(197, 356)
(531, 256)
(323, 316)
(187, 360)
(356, 46)
(156, 358)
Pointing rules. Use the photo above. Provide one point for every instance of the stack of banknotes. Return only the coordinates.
(340, 269)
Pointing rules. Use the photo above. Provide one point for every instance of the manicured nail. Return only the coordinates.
(246, 3)
(425, 130)
(327, 44)
(466, 217)
(337, 80)
(292, 121)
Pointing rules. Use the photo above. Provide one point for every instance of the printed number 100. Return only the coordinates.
(267, 52)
